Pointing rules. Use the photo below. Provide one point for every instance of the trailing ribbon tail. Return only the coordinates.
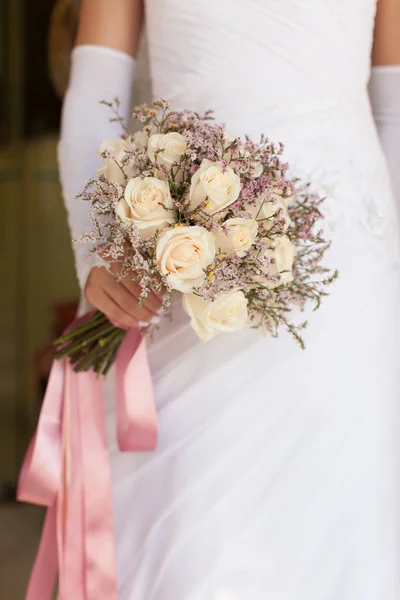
(67, 469)
(136, 421)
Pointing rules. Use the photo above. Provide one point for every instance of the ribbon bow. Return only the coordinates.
(67, 469)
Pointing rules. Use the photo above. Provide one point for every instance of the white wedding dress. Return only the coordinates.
(276, 475)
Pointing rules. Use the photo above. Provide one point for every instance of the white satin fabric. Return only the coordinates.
(276, 476)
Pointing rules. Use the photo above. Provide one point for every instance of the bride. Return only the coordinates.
(276, 475)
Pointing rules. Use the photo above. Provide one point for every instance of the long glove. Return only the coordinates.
(384, 88)
(97, 73)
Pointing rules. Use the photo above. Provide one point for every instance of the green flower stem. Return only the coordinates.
(93, 322)
(109, 364)
(112, 350)
(99, 352)
(85, 362)
(84, 342)
(100, 358)
(94, 353)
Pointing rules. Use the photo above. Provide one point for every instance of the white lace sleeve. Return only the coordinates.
(384, 88)
(97, 73)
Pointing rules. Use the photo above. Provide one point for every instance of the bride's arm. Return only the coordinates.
(386, 47)
(116, 24)
(384, 84)
(102, 68)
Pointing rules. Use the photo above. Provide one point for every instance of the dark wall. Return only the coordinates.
(41, 105)
(5, 128)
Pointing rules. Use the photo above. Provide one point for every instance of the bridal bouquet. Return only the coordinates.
(186, 208)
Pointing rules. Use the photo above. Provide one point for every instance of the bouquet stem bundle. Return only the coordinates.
(92, 345)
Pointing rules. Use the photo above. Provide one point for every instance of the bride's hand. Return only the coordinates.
(119, 301)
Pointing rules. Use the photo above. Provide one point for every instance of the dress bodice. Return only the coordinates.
(260, 61)
(295, 70)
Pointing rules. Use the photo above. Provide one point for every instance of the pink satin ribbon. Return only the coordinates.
(67, 469)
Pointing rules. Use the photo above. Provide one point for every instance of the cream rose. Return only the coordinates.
(140, 139)
(165, 149)
(238, 238)
(218, 186)
(257, 165)
(148, 204)
(183, 253)
(284, 200)
(276, 174)
(228, 139)
(258, 168)
(283, 252)
(266, 209)
(113, 169)
(228, 313)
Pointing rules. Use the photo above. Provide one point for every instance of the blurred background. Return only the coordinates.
(39, 292)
